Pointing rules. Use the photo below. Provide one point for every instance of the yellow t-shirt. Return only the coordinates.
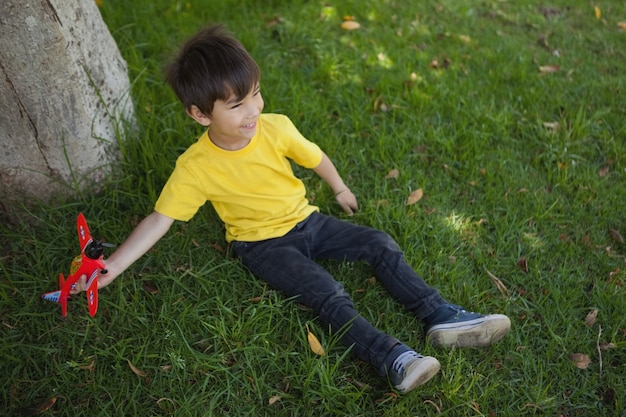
(253, 190)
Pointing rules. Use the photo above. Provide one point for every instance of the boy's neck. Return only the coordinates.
(229, 146)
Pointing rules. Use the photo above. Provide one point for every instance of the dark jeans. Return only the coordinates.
(287, 263)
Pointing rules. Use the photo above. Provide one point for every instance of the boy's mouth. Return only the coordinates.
(249, 125)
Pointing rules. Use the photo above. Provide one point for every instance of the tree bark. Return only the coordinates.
(64, 91)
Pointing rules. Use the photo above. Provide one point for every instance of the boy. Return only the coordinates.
(240, 164)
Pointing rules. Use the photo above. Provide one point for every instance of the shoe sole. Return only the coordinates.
(418, 373)
(481, 332)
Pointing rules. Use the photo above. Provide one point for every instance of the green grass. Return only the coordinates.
(499, 186)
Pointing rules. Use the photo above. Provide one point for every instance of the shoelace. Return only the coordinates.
(403, 359)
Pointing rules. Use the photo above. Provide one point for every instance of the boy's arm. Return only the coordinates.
(327, 171)
(145, 235)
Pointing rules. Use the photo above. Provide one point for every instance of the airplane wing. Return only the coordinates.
(92, 293)
(84, 236)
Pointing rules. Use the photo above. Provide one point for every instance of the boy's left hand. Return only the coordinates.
(347, 201)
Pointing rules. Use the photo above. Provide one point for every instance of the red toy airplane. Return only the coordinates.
(88, 263)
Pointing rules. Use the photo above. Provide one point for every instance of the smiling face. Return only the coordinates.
(233, 122)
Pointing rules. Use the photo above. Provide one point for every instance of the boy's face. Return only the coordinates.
(233, 122)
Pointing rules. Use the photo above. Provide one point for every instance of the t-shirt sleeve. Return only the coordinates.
(180, 198)
(299, 149)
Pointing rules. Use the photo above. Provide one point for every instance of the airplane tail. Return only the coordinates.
(52, 296)
(58, 296)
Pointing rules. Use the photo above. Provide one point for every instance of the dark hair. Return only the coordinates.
(212, 65)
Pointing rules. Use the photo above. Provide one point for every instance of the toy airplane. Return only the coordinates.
(88, 263)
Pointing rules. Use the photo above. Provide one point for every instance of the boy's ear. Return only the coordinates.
(197, 115)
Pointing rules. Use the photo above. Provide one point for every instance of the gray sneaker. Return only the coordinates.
(411, 370)
(451, 325)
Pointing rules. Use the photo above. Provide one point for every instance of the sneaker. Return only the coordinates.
(411, 370)
(450, 325)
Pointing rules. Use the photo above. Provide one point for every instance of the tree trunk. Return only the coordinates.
(64, 92)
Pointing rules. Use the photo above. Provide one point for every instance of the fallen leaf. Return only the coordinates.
(617, 236)
(89, 367)
(315, 344)
(359, 384)
(622, 26)
(135, 370)
(218, 247)
(590, 320)
(501, 287)
(604, 171)
(523, 264)
(415, 196)
(547, 69)
(598, 12)
(552, 125)
(350, 25)
(150, 287)
(379, 104)
(39, 409)
(275, 21)
(393, 174)
(580, 360)
(606, 346)
(273, 399)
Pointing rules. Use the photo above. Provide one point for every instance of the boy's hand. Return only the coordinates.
(81, 284)
(347, 201)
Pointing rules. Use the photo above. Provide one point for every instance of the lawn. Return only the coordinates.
(508, 117)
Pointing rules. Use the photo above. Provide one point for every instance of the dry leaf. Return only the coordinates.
(218, 247)
(150, 287)
(501, 287)
(622, 26)
(415, 196)
(89, 367)
(606, 346)
(598, 12)
(393, 174)
(590, 320)
(617, 236)
(275, 21)
(379, 104)
(523, 264)
(552, 125)
(135, 370)
(273, 399)
(350, 25)
(39, 409)
(315, 344)
(604, 171)
(580, 360)
(546, 69)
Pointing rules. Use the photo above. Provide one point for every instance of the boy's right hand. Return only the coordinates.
(81, 285)
(347, 201)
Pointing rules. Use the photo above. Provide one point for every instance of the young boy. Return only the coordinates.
(241, 165)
